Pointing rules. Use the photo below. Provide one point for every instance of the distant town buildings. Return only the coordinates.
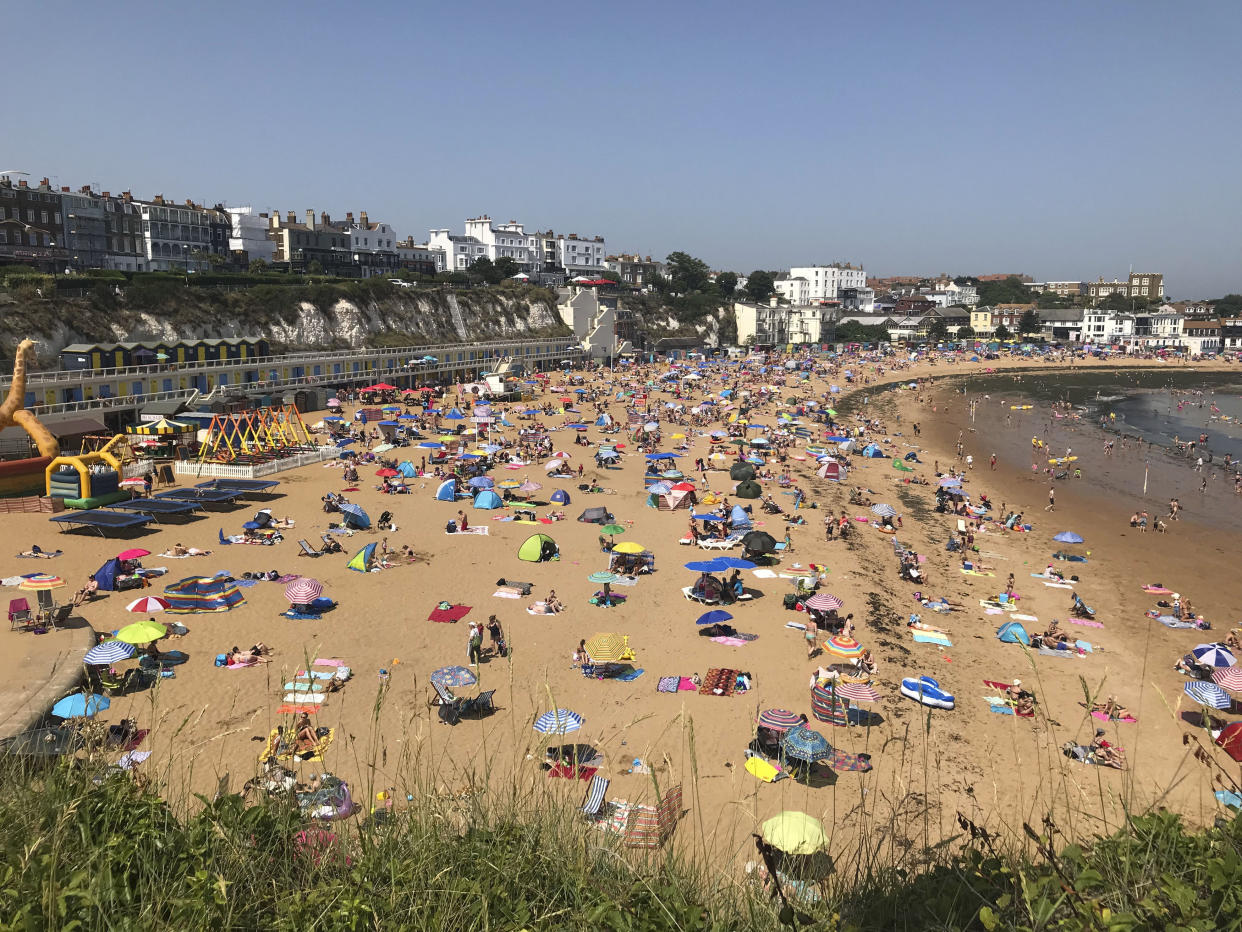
(535, 253)
(637, 271)
(248, 234)
(1148, 285)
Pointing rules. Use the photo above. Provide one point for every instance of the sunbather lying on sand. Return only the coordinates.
(255, 654)
(181, 551)
(1112, 708)
(39, 553)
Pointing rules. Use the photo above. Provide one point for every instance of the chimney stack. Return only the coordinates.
(22, 184)
(45, 183)
(349, 218)
(106, 194)
(158, 199)
(64, 189)
(324, 219)
(310, 219)
(363, 218)
(291, 218)
(189, 203)
(127, 196)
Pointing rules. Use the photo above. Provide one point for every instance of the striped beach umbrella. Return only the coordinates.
(147, 605)
(780, 719)
(1228, 677)
(303, 590)
(824, 602)
(883, 510)
(828, 706)
(843, 646)
(559, 722)
(41, 582)
(858, 692)
(109, 652)
(1208, 694)
(1214, 655)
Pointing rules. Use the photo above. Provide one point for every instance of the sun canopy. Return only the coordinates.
(201, 594)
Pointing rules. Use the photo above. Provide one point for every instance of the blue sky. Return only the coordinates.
(1067, 140)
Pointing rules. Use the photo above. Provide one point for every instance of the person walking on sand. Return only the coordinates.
(811, 646)
(474, 652)
(993, 462)
(1052, 498)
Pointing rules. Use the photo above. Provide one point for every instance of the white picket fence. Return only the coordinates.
(256, 470)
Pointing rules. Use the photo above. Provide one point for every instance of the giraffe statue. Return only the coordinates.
(13, 411)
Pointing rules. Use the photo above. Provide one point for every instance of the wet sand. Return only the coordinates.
(928, 766)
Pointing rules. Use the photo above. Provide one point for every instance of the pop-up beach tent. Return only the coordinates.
(1013, 633)
(831, 470)
(407, 469)
(539, 548)
(488, 499)
(106, 574)
(561, 497)
(597, 515)
(748, 489)
(447, 492)
(202, 594)
(363, 560)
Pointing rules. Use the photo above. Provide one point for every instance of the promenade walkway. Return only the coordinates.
(41, 668)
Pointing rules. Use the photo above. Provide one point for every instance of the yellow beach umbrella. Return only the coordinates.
(628, 547)
(609, 648)
(141, 632)
(41, 583)
(795, 833)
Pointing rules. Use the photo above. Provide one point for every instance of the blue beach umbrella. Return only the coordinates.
(660, 488)
(431, 445)
(109, 652)
(80, 705)
(560, 722)
(453, 676)
(713, 617)
(803, 744)
(736, 563)
(1208, 694)
(481, 482)
(706, 566)
(1068, 537)
(1214, 655)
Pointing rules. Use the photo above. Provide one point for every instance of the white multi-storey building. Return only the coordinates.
(176, 238)
(533, 252)
(248, 234)
(795, 289)
(509, 240)
(823, 282)
(581, 256)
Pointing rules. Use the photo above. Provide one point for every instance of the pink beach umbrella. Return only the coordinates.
(304, 590)
(824, 602)
(858, 692)
(1228, 677)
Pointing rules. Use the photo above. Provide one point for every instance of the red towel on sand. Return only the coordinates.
(567, 772)
(449, 615)
(296, 709)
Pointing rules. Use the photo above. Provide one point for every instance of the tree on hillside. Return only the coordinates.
(966, 280)
(687, 273)
(661, 284)
(938, 330)
(1119, 302)
(1002, 333)
(257, 266)
(483, 268)
(507, 267)
(760, 286)
(726, 282)
(1010, 290)
(965, 332)
(1050, 299)
(611, 276)
(1030, 323)
(1228, 306)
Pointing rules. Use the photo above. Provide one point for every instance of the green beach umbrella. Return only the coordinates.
(613, 529)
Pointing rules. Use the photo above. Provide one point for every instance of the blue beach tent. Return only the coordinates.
(488, 499)
(447, 492)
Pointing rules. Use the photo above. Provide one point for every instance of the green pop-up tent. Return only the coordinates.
(539, 548)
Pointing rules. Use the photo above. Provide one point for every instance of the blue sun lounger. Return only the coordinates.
(155, 507)
(100, 521)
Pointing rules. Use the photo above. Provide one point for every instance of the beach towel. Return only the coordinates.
(1157, 590)
(1002, 709)
(1017, 617)
(1055, 585)
(296, 709)
(1170, 622)
(975, 573)
(449, 615)
(298, 686)
(273, 749)
(1086, 622)
(625, 581)
(473, 529)
(315, 674)
(127, 760)
(241, 665)
(668, 684)
(763, 574)
(566, 772)
(730, 642)
(1053, 652)
(686, 684)
(629, 675)
(797, 625)
(1129, 719)
(928, 637)
(507, 592)
(311, 698)
(301, 616)
(177, 556)
(719, 682)
(763, 769)
(328, 662)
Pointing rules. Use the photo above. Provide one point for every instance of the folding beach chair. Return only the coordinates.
(19, 614)
(593, 804)
(306, 550)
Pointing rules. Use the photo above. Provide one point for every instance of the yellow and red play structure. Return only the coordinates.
(255, 436)
(24, 476)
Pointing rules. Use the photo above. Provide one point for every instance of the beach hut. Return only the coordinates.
(1012, 632)
(364, 560)
(488, 499)
(203, 594)
(560, 497)
(749, 489)
(447, 492)
(539, 548)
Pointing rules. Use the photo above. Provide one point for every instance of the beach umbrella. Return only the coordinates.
(453, 676)
(613, 529)
(133, 553)
(80, 705)
(147, 605)
(858, 692)
(141, 632)
(334, 402)
(1228, 677)
(630, 546)
(560, 722)
(713, 617)
(431, 445)
(1208, 694)
(759, 542)
(735, 563)
(824, 602)
(794, 833)
(1068, 537)
(608, 648)
(603, 576)
(481, 482)
(884, 511)
(948, 481)
(303, 591)
(529, 486)
(109, 652)
(136, 482)
(552, 465)
(843, 646)
(660, 488)
(801, 743)
(706, 566)
(1214, 655)
(386, 472)
(780, 719)
(41, 582)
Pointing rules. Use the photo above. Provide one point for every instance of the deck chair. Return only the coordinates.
(59, 616)
(45, 599)
(19, 614)
(593, 804)
(224, 541)
(306, 550)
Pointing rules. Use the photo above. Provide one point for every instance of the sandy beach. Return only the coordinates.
(208, 724)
